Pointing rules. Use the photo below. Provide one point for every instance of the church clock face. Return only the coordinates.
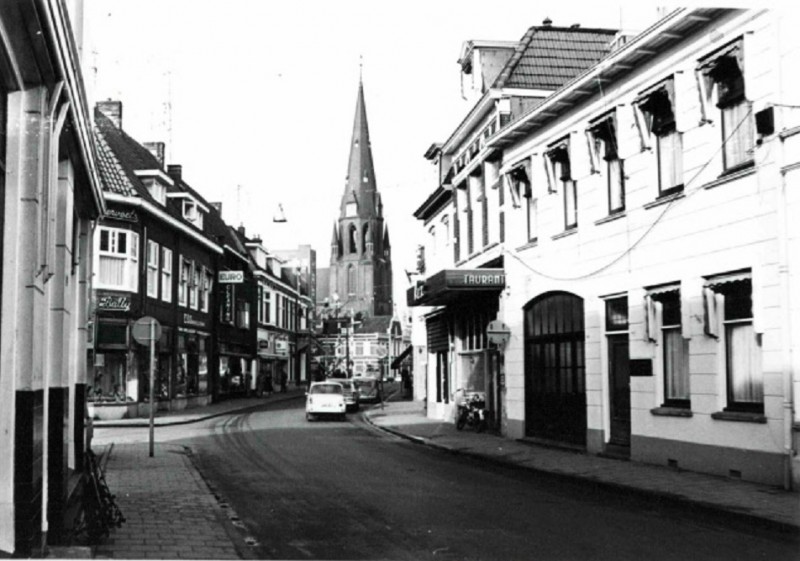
(351, 209)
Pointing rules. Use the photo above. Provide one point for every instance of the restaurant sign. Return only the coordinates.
(231, 277)
(124, 214)
(450, 284)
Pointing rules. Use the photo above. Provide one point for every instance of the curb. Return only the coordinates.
(671, 498)
(146, 423)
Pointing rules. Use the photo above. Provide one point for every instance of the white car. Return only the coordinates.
(325, 398)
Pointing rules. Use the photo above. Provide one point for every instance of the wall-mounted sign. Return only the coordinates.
(114, 302)
(263, 344)
(231, 277)
(126, 214)
(189, 320)
(448, 285)
(282, 347)
(498, 333)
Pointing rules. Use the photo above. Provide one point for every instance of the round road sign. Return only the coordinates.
(146, 329)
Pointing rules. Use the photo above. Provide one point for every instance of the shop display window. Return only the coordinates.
(109, 378)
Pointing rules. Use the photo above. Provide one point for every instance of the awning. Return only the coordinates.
(399, 358)
(449, 285)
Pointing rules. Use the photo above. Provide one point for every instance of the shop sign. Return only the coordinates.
(126, 215)
(231, 277)
(485, 278)
(227, 304)
(282, 347)
(114, 302)
(189, 320)
(263, 344)
(449, 284)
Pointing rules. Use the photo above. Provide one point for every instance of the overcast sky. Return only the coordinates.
(256, 98)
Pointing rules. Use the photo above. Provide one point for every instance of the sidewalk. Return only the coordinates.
(748, 501)
(170, 512)
(185, 416)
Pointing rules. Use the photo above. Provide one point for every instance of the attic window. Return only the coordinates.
(157, 190)
(192, 213)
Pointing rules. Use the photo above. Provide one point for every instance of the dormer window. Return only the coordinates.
(192, 213)
(157, 190)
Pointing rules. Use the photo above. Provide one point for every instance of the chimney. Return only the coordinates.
(157, 149)
(175, 171)
(217, 206)
(241, 230)
(112, 110)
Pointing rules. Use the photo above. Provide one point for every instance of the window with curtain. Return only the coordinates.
(562, 173)
(166, 274)
(604, 136)
(722, 72)
(183, 282)
(194, 285)
(656, 107)
(674, 349)
(742, 349)
(152, 268)
(117, 259)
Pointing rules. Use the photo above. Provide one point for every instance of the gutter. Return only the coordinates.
(158, 213)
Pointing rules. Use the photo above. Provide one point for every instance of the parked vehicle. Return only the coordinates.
(369, 390)
(472, 411)
(350, 393)
(325, 398)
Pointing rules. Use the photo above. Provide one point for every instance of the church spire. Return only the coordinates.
(360, 186)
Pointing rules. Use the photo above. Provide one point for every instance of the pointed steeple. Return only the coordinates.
(360, 185)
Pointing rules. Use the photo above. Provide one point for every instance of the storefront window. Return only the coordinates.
(109, 379)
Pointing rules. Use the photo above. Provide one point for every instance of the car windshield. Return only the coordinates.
(348, 386)
(326, 388)
(365, 384)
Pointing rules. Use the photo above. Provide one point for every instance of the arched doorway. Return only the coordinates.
(555, 373)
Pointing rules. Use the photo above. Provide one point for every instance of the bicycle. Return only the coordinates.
(99, 511)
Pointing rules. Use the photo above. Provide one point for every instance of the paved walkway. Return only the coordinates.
(170, 512)
(757, 503)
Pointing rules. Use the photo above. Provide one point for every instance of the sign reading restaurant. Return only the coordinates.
(447, 284)
(231, 277)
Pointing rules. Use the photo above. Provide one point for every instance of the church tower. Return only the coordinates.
(361, 261)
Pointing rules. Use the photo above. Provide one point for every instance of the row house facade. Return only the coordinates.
(648, 254)
(156, 253)
(282, 310)
(49, 197)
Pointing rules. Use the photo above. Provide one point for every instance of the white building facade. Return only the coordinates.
(650, 256)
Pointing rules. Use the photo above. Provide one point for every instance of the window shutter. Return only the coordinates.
(687, 107)
(756, 296)
(710, 313)
(686, 317)
(650, 319)
(548, 170)
(704, 90)
(645, 136)
(628, 140)
(502, 226)
(485, 219)
(594, 158)
(456, 238)
(579, 159)
(511, 185)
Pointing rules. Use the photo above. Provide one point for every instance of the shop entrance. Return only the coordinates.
(555, 374)
(481, 373)
(620, 384)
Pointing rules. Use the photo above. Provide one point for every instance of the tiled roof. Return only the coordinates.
(548, 56)
(113, 177)
(374, 324)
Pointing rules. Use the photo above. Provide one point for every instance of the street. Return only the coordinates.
(345, 490)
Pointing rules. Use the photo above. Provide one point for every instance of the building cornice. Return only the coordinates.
(163, 215)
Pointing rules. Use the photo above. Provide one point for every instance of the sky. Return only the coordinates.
(256, 98)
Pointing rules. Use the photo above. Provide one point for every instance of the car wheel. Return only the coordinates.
(309, 417)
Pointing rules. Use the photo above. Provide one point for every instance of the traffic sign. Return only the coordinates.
(498, 333)
(146, 329)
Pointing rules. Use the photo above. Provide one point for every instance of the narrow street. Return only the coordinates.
(345, 490)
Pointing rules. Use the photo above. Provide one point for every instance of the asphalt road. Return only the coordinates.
(344, 490)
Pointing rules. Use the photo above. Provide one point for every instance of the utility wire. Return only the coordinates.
(667, 207)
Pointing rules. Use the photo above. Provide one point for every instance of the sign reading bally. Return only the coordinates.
(231, 277)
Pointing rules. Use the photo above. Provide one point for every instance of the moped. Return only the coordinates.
(472, 412)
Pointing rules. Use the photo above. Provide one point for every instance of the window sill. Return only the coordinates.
(665, 200)
(729, 176)
(666, 411)
(739, 416)
(565, 233)
(611, 217)
(533, 243)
